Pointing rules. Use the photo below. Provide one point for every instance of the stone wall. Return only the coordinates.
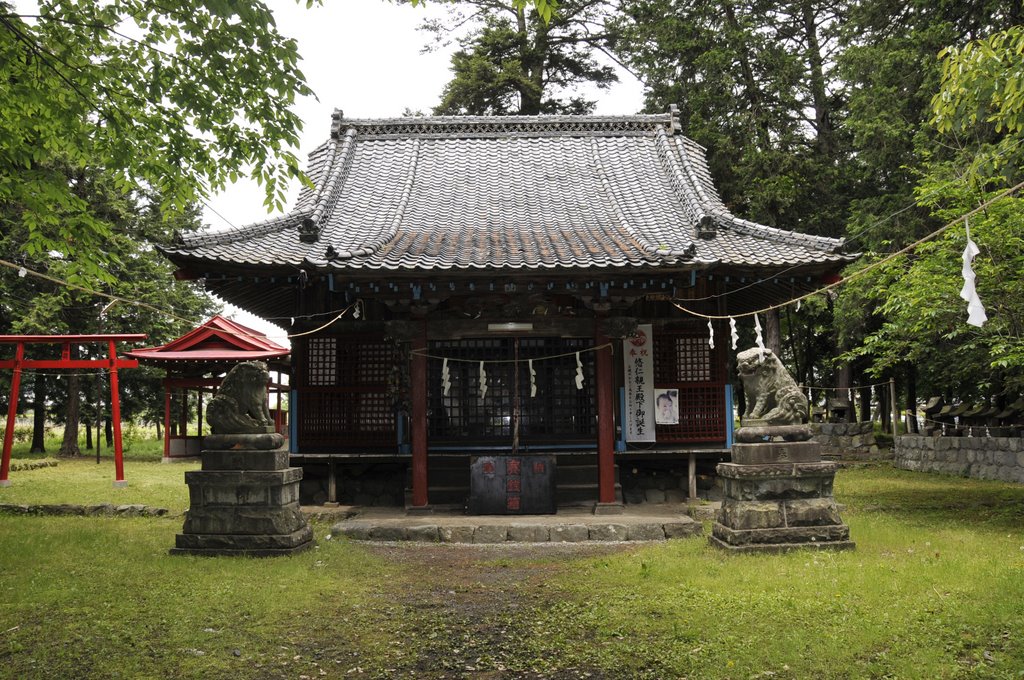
(849, 440)
(999, 458)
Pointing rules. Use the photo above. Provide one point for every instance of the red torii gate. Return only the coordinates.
(111, 362)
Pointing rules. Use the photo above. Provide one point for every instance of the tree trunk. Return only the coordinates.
(158, 427)
(884, 410)
(88, 434)
(825, 140)
(534, 58)
(865, 403)
(842, 394)
(39, 415)
(108, 432)
(911, 374)
(69, 445)
(750, 87)
(773, 332)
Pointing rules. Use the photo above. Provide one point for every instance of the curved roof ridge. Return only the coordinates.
(645, 244)
(403, 204)
(214, 238)
(684, 191)
(824, 243)
(309, 231)
(701, 177)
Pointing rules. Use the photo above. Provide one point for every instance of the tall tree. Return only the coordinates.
(755, 84)
(179, 96)
(515, 60)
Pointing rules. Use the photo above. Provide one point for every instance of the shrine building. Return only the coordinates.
(460, 288)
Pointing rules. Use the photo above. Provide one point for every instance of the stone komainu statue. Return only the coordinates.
(240, 406)
(771, 393)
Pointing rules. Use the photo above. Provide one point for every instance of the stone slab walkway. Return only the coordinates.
(569, 525)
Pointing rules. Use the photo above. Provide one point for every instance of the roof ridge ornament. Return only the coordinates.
(337, 121)
(675, 127)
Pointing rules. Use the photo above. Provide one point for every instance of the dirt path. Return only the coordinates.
(470, 610)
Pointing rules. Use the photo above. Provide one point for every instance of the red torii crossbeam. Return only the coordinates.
(112, 363)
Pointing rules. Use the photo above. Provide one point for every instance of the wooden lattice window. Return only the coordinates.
(322, 361)
(684, 361)
(558, 413)
(344, 402)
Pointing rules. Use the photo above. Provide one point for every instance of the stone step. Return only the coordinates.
(546, 529)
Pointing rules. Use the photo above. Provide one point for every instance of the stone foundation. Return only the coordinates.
(244, 502)
(849, 440)
(665, 482)
(999, 458)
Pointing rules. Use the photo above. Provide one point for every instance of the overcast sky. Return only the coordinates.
(364, 57)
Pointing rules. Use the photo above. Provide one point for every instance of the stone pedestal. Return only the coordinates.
(777, 496)
(244, 501)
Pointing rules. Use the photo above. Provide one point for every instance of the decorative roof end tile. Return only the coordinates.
(309, 230)
(337, 119)
(707, 228)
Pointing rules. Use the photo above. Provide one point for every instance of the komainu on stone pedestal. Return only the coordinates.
(777, 492)
(240, 406)
(245, 499)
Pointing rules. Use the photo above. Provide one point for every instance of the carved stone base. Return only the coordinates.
(244, 502)
(773, 507)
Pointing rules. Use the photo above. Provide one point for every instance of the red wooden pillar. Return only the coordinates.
(418, 430)
(12, 412)
(167, 422)
(115, 416)
(605, 423)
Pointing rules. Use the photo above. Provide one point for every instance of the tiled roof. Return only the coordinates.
(218, 339)
(513, 192)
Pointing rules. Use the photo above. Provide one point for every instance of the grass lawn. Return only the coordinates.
(935, 589)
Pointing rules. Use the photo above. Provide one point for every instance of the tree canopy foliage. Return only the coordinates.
(159, 306)
(516, 59)
(175, 97)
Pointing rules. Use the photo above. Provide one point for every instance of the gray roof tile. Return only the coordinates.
(509, 192)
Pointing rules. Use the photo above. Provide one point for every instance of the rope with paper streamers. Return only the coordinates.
(424, 353)
(861, 272)
(446, 382)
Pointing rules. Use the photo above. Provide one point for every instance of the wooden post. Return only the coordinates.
(115, 417)
(167, 422)
(691, 473)
(895, 407)
(418, 430)
(12, 412)
(605, 422)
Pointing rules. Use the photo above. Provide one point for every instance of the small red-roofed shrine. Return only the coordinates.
(195, 361)
(66, 361)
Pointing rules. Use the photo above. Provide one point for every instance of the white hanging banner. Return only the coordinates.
(733, 333)
(758, 339)
(483, 381)
(638, 362)
(446, 382)
(711, 335)
(533, 379)
(975, 310)
(579, 372)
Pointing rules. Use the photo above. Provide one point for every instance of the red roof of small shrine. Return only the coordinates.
(217, 340)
